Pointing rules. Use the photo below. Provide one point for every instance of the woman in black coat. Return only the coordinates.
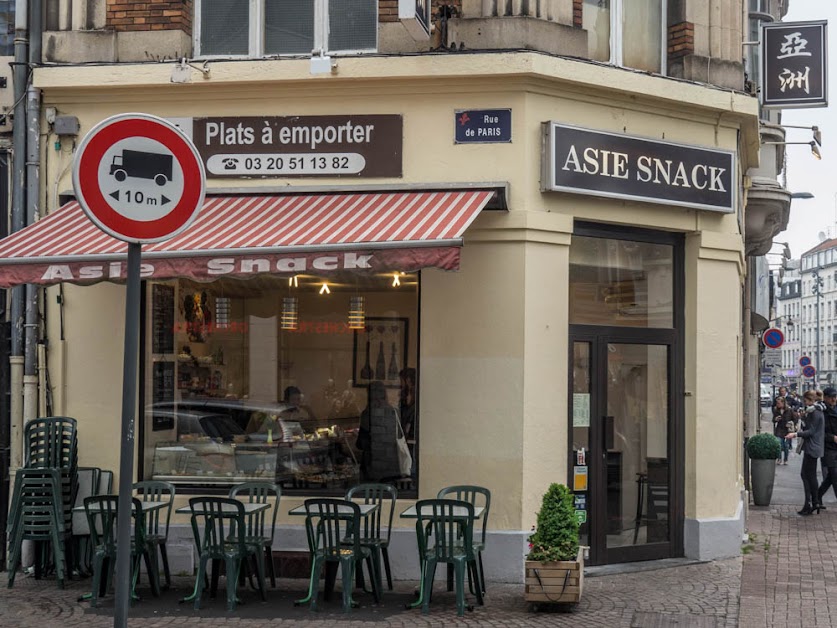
(783, 420)
(812, 450)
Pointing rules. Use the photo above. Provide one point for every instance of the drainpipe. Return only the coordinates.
(31, 326)
(18, 221)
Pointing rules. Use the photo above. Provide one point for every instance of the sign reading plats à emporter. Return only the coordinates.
(300, 146)
(599, 163)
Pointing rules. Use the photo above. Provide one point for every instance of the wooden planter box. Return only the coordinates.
(556, 582)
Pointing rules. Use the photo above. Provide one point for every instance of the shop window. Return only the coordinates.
(621, 282)
(258, 28)
(302, 400)
(629, 33)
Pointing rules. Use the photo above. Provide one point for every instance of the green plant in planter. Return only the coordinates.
(556, 534)
(763, 446)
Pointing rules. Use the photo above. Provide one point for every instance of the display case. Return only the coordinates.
(295, 456)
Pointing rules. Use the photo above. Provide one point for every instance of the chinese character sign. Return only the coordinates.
(794, 64)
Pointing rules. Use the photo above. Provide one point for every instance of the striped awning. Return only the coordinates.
(241, 236)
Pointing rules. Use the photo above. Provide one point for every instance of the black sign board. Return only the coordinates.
(162, 318)
(483, 126)
(614, 165)
(300, 146)
(793, 61)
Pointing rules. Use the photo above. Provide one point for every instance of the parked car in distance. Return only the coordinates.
(766, 395)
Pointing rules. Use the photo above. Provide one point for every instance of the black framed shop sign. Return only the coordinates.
(615, 165)
(794, 70)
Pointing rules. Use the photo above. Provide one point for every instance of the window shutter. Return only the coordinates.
(289, 27)
(353, 25)
(225, 27)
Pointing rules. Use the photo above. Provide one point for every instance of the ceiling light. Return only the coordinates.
(396, 280)
(325, 289)
(357, 314)
(293, 282)
(290, 314)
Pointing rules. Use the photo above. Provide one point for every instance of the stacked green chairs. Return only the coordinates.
(157, 521)
(102, 513)
(445, 528)
(220, 528)
(476, 496)
(372, 533)
(331, 526)
(37, 514)
(257, 523)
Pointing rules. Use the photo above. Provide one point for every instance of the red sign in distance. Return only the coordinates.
(139, 178)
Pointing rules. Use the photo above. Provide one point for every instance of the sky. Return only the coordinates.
(804, 173)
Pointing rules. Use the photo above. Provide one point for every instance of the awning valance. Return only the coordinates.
(241, 236)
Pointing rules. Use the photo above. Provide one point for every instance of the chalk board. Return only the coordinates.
(162, 319)
(162, 390)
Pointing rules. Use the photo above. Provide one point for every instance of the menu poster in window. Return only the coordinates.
(162, 391)
(581, 409)
(380, 351)
(162, 318)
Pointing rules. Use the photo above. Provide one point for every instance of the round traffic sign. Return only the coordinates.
(804, 360)
(773, 338)
(139, 178)
(809, 371)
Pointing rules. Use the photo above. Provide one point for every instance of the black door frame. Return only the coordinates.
(598, 337)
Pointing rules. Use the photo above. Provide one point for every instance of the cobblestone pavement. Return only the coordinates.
(701, 595)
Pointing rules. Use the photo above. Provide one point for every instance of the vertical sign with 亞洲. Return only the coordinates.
(793, 64)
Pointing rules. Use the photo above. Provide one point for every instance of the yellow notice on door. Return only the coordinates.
(580, 478)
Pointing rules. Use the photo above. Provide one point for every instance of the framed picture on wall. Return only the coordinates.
(380, 351)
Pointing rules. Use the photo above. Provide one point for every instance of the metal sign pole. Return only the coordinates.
(126, 458)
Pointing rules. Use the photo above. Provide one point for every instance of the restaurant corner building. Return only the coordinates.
(542, 250)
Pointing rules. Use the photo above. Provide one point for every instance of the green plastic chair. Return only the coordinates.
(476, 496)
(157, 534)
(37, 514)
(257, 532)
(329, 524)
(372, 534)
(220, 528)
(102, 512)
(445, 528)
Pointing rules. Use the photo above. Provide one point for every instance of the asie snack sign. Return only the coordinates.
(300, 146)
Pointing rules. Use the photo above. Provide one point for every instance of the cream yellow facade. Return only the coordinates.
(494, 336)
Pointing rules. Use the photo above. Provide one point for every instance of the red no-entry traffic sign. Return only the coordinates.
(139, 178)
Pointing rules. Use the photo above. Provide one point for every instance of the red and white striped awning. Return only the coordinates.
(240, 236)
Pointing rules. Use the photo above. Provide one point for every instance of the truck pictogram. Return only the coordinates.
(142, 165)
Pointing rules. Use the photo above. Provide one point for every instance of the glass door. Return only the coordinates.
(621, 471)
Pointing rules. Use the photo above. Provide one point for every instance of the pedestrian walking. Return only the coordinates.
(812, 450)
(783, 423)
(830, 445)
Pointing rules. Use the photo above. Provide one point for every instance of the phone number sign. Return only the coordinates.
(300, 146)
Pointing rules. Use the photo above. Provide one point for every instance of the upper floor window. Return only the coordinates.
(629, 33)
(255, 28)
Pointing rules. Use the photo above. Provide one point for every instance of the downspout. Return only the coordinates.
(33, 195)
(18, 221)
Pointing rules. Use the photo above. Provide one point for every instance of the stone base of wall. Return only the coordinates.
(710, 539)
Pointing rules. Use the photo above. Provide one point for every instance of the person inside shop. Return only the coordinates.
(407, 408)
(377, 436)
(812, 449)
(295, 411)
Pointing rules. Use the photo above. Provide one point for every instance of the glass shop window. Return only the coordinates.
(307, 382)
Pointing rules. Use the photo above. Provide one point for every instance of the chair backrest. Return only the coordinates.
(449, 523)
(51, 442)
(218, 524)
(88, 485)
(155, 491)
(378, 494)
(329, 523)
(474, 495)
(101, 511)
(259, 493)
(105, 482)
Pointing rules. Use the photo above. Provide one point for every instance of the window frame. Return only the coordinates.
(256, 29)
(617, 38)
